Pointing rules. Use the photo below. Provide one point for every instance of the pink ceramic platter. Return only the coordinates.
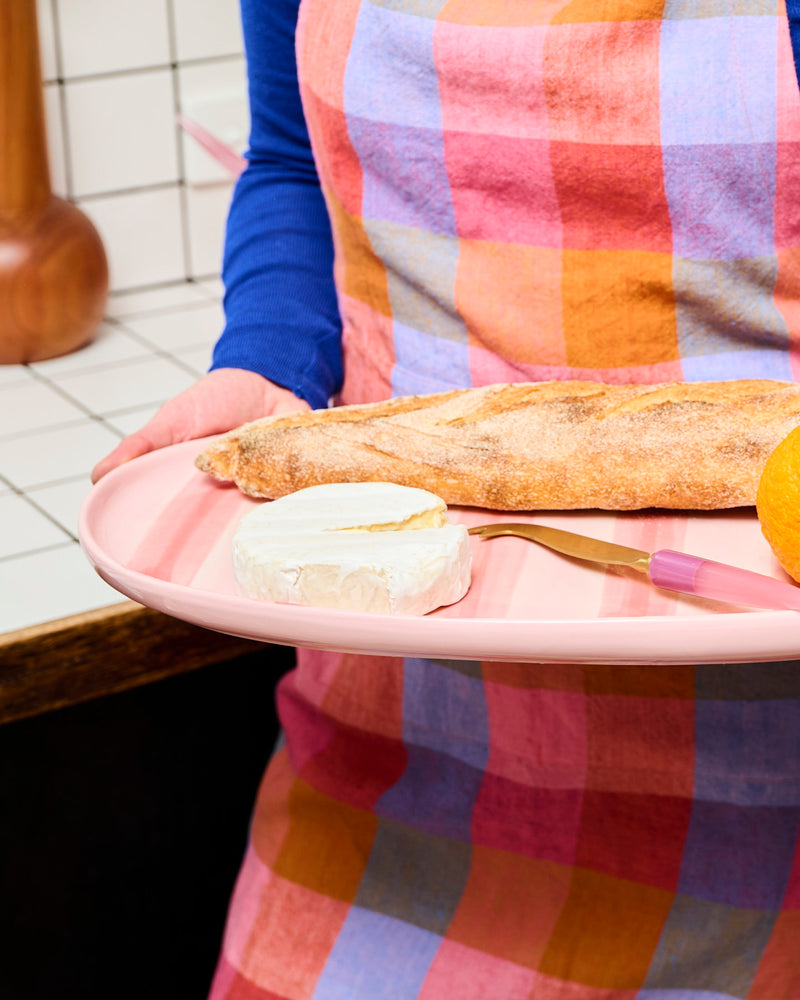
(160, 531)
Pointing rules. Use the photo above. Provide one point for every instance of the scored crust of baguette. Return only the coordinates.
(529, 445)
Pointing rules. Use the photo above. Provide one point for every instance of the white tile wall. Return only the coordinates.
(41, 456)
(205, 211)
(55, 583)
(47, 39)
(116, 74)
(122, 132)
(54, 122)
(125, 34)
(33, 406)
(206, 28)
(23, 528)
(197, 327)
(144, 235)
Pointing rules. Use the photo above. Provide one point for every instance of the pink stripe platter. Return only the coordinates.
(160, 532)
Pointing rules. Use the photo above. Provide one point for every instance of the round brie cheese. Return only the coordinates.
(358, 546)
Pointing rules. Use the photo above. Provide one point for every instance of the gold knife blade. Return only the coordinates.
(569, 544)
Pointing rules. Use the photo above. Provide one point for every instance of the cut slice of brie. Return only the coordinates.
(356, 546)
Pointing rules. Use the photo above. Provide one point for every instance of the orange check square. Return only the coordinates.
(607, 933)
(327, 844)
(610, 10)
(359, 273)
(618, 309)
(640, 681)
(510, 905)
(547, 676)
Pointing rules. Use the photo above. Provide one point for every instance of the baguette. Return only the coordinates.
(529, 446)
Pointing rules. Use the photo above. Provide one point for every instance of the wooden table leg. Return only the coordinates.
(53, 268)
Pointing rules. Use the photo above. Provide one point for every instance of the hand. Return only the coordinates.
(218, 402)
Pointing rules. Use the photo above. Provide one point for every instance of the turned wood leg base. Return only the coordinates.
(53, 283)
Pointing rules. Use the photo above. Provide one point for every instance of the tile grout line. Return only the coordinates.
(57, 547)
(53, 520)
(160, 67)
(177, 106)
(47, 484)
(43, 380)
(62, 100)
(104, 366)
(63, 425)
(55, 385)
(122, 325)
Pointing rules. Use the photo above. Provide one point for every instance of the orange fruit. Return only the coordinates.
(778, 503)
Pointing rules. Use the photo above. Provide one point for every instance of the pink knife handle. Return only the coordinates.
(692, 575)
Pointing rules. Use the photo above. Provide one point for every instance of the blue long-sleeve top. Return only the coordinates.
(282, 319)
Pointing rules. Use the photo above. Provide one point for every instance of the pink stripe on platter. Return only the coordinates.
(628, 593)
(515, 579)
(497, 566)
(186, 530)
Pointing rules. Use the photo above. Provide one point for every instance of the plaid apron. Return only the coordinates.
(536, 189)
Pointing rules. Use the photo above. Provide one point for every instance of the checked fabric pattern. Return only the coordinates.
(540, 189)
(524, 832)
(530, 189)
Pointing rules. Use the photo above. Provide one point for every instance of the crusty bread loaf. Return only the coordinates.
(527, 446)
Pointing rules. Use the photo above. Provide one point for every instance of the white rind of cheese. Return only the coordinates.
(375, 547)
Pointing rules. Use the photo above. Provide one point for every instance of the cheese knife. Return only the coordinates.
(670, 570)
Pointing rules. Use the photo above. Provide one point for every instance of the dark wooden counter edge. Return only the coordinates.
(96, 653)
